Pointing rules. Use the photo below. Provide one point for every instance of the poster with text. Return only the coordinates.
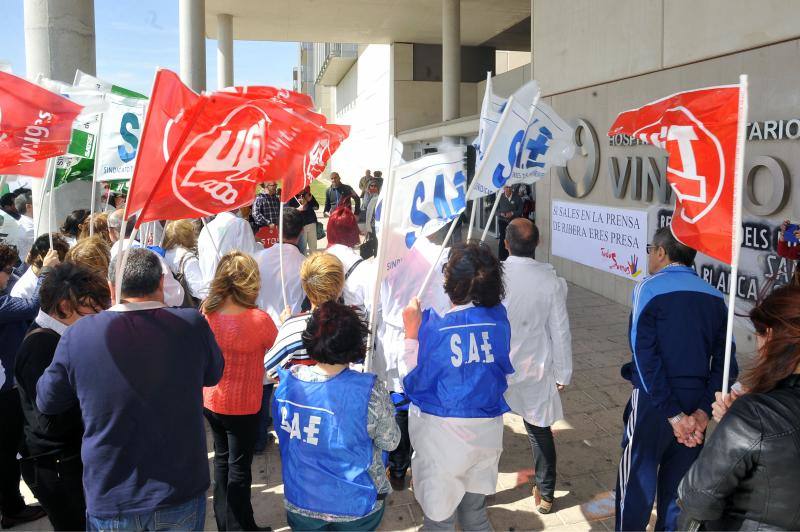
(606, 238)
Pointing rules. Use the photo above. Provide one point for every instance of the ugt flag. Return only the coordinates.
(35, 123)
(699, 130)
(428, 193)
(202, 155)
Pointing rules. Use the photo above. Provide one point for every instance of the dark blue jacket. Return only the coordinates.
(677, 337)
(16, 315)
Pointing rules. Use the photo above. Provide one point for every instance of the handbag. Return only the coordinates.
(320, 231)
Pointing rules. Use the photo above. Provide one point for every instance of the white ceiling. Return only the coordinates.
(363, 21)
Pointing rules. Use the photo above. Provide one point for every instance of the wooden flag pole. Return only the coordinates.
(478, 172)
(737, 229)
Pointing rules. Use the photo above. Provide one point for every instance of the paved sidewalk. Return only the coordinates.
(587, 442)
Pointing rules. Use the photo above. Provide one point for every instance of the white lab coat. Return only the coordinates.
(223, 234)
(173, 291)
(358, 288)
(270, 297)
(13, 234)
(27, 236)
(541, 342)
(452, 456)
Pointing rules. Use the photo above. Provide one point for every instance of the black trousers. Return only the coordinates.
(57, 483)
(502, 225)
(11, 436)
(234, 443)
(544, 459)
(400, 458)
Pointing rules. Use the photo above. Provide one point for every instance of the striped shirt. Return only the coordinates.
(288, 347)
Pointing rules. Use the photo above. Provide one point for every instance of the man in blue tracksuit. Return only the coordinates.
(677, 336)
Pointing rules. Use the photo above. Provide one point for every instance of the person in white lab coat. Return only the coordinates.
(270, 297)
(457, 368)
(359, 274)
(541, 350)
(24, 205)
(173, 291)
(225, 233)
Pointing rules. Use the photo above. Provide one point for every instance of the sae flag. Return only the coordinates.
(529, 138)
(428, 194)
(491, 109)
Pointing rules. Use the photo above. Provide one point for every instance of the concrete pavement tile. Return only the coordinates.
(513, 509)
(574, 427)
(578, 402)
(607, 479)
(611, 396)
(577, 458)
(398, 518)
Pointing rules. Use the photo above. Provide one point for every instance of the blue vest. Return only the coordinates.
(462, 363)
(325, 449)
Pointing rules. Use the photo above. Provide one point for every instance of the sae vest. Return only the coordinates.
(325, 449)
(462, 363)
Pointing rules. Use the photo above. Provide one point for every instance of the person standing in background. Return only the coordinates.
(266, 207)
(307, 204)
(363, 183)
(338, 193)
(510, 207)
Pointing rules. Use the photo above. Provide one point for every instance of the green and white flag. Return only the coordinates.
(121, 129)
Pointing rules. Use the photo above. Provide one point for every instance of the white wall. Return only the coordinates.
(362, 100)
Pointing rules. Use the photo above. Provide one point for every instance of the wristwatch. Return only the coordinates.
(676, 419)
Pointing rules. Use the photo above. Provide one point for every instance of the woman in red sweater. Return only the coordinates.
(232, 406)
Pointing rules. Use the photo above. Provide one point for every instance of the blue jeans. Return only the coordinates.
(187, 516)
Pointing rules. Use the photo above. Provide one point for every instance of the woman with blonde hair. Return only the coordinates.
(100, 222)
(92, 252)
(243, 332)
(322, 279)
(180, 246)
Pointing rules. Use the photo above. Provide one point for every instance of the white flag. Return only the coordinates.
(503, 149)
(491, 109)
(120, 134)
(428, 193)
(549, 141)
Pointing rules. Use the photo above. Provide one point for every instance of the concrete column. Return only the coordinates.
(59, 39)
(224, 50)
(192, 30)
(451, 59)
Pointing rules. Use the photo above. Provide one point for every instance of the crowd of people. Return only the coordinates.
(106, 391)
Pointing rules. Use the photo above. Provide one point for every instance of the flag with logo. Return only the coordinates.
(700, 131)
(35, 123)
(549, 141)
(202, 155)
(82, 79)
(428, 194)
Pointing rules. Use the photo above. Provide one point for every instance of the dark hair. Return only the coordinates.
(22, 201)
(377, 173)
(675, 250)
(292, 223)
(77, 285)
(142, 273)
(72, 225)
(335, 334)
(473, 274)
(522, 236)
(7, 199)
(777, 318)
(343, 227)
(41, 246)
(8, 255)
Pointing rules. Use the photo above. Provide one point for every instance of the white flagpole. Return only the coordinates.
(478, 172)
(210, 237)
(497, 198)
(381, 259)
(472, 217)
(50, 209)
(49, 174)
(280, 257)
(94, 172)
(737, 228)
(2, 181)
(122, 259)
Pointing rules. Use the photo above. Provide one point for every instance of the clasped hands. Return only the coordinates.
(690, 429)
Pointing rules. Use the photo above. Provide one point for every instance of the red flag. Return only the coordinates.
(214, 149)
(699, 130)
(34, 169)
(35, 123)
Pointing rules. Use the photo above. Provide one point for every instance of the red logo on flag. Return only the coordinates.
(698, 129)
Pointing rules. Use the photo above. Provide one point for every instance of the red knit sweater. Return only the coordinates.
(244, 338)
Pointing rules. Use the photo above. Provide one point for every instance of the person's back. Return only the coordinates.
(137, 372)
(270, 298)
(225, 233)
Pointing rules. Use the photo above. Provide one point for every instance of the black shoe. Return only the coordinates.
(28, 514)
(398, 482)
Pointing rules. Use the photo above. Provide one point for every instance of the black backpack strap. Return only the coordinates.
(353, 267)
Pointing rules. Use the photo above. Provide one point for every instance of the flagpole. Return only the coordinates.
(50, 210)
(94, 172)
(472, 214)
(737, 229)
(49, 166)
(122, 256)
(211, 237)
(491, 215)
(478, 172)
(386, 209)
(280, 256)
